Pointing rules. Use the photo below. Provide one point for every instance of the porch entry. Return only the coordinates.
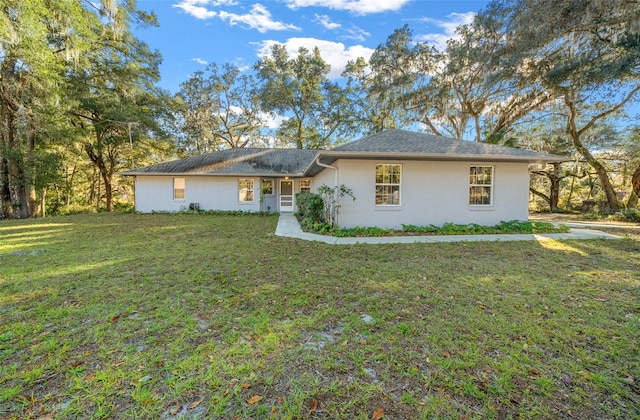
(286, 195)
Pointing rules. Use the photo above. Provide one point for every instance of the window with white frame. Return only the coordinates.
(388, 184)
(305, 185)
(481, 185)
(178, 188)
(245, 190)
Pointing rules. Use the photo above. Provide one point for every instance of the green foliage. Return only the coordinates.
(310, 211)
(216, 108)
(624, 215)
(317, 109)
(510, 227)
(76, 209)
(632, 215)
(361, 231)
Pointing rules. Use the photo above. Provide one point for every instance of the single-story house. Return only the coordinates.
(397, 177)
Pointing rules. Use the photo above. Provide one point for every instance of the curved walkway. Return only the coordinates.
(288, 226)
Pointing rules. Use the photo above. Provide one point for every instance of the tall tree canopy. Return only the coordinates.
(39, 39)
(315, 110)
(49, 49)
(584, 54)
(218, 108)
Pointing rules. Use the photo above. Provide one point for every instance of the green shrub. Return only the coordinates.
(76, 209)
(310, 210)
(513, 226)
(631, 215)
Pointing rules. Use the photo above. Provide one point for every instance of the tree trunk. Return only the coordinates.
(635, 182)
(31, 209)
(43, 202)
(632, 202)
(605, 182)
(541, 195)
(108, 189)
(554, 192)
(601, 171)
(6, 210)
(554, 178)
(98, 159)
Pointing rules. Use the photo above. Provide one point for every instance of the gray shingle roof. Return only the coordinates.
(409, 142)
(400, 144)
(251, 161)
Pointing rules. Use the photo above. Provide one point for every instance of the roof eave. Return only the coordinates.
(265, 175)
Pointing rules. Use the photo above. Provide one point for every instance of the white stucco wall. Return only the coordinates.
(431, 193)
(155, 193)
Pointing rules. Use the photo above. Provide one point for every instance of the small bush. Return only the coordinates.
(76, 209)
(124, 207)
(310, 211)
(630, 215)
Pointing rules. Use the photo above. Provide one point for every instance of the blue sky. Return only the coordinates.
(193, 33)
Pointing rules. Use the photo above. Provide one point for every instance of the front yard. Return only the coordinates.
(197, 316)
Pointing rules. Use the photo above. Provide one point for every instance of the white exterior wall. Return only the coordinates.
(155, 193)
(430, 193)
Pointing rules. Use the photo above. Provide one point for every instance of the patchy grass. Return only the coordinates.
(167, 316)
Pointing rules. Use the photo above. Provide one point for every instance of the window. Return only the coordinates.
(178, 188)
(267, 186)
(388, 184)
(481, 185)
(245, 190)
(305, 185)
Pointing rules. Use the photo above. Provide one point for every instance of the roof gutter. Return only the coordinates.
(324, 165)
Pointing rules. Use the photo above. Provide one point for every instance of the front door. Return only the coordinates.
(286, 195)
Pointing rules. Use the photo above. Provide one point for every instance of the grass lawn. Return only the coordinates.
(194, 316)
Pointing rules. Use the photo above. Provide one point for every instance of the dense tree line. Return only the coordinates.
(79, 102)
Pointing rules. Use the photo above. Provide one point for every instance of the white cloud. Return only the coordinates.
(325, 22)
(358, 7)
(356, 34)
(196, 8)
(334, 53)
(439, 40)
(258, 18)
(200, 61)
(271, 120)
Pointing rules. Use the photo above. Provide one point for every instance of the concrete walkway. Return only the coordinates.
(288, 226)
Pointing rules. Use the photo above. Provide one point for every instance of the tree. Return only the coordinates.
(584, 54)
(113, 98)
(217, 109)
(633, 146)
(316, 111)
(380, 87)
(44, 47)
(39, 41)
(451, 92)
